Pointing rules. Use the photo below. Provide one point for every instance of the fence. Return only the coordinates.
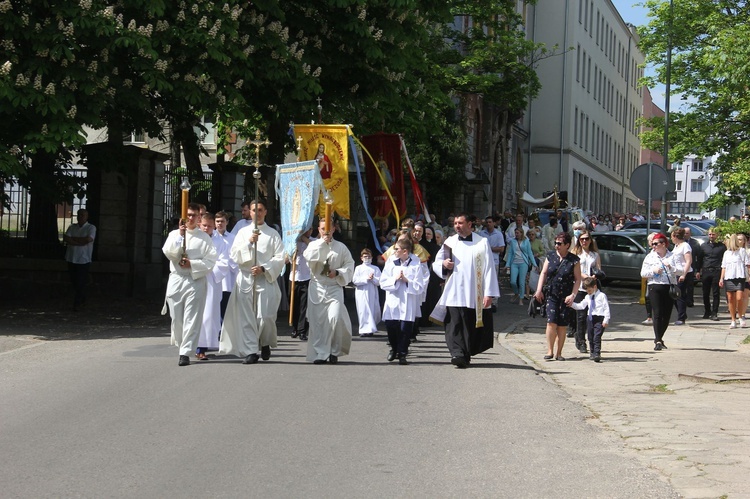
(201, 191)
(14, 220)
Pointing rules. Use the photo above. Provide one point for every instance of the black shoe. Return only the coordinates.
(714, 317)
(265, 352)
(570, 334)
(319, 361)
(664, 346)
(295, 334)
(591, 356)
(597, 359)
(251, 359)
(583, 350)
(303, 336)
(657, 347)
(459, 362)
(391, 356)
(706, 316)
(184, 360)
(402, 361)
(333, 359)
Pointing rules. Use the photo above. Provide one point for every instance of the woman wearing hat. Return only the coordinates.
(660, 269)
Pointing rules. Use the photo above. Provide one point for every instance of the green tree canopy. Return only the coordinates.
(711, 71)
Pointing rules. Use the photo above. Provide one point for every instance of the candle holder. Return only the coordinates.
(185, 187)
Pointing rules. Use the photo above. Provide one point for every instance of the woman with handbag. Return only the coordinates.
(683, 258)
(586, 250)
(563, 273)
(659, 270)
(520, 259)
(734, 273)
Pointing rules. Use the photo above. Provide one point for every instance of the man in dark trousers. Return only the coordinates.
(709, 272)
(695, 248)
(464, 258)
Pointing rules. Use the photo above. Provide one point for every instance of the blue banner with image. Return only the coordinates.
(298, 188)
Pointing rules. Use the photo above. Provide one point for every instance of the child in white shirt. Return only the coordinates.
(403, 282)
(366, 280)
(598, 316)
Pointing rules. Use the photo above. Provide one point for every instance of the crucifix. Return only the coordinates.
(320, 110)
(257, 143)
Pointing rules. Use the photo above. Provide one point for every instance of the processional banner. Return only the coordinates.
(386, 176)
(298, 187)
(328, 145)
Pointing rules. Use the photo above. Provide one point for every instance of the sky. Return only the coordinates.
(635, 14)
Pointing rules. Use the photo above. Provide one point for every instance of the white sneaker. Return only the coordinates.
(743, 323)
(733, 325)
(648, 321)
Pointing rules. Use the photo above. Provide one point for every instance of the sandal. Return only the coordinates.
(559, 358)
(547, 357)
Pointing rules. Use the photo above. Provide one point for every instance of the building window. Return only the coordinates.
(678, 185)
(134, 138)
(697, 165)
(696, 186)
(677, 167)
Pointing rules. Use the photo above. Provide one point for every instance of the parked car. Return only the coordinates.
(703, 224)
(695, 230)
(621, 253)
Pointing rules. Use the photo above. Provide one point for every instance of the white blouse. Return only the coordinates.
(734, 264)
(679, 252)
(588, 261)
(653, 268)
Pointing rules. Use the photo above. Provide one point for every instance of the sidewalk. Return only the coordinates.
(684, 411)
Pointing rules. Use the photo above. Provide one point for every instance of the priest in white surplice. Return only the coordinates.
(330, 326)
(211, 327)
(250, 320)
(186, 288)
(466, 262)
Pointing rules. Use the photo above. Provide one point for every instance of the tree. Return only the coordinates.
(711, 71)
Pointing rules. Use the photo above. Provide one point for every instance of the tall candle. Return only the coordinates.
(185, 193)
(329, 207)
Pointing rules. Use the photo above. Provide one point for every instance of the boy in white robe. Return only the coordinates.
(366, 279)
(211, 326)
(331, 268)
(227, 284)
(403, 281)
(186, 288)
(250, 321)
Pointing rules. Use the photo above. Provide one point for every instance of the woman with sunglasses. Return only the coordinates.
(586, 250)
(659, 269)
(563, 271)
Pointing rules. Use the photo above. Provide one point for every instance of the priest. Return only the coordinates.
(331, 268)
(465, 262)
(249, 328)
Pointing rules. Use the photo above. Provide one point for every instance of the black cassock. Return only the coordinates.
(463, 337)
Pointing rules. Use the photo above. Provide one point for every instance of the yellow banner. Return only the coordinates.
(328, 144)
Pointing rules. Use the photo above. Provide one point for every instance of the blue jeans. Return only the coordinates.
(518, 273)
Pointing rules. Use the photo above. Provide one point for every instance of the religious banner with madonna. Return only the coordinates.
(328, 145)
(298, 188)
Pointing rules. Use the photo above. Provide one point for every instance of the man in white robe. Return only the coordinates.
(247, 218)
(464, 258)
(250, 321)
(211, 326)
(186, 288)
(331, 268)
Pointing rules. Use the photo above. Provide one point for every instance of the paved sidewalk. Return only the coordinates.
(666, 406)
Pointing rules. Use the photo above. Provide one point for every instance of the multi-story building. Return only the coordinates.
(695, 182)
(584, 124)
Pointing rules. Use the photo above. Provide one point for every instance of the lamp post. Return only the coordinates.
(666, 112)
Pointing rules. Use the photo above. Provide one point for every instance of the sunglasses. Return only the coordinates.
(656, 244)
(559, 243)
(584, 238)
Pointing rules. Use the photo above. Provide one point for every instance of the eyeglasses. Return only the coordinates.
(559, 243)
(584, 238)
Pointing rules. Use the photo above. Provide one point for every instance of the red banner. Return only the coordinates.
(385, 148)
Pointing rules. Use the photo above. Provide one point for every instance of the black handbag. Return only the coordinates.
(674, 291)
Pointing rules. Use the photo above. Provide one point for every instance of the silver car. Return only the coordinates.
(622, 253)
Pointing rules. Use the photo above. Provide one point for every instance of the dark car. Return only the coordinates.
(696, 230)
(622, 253)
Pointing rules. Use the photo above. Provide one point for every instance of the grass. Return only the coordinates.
(746, 341)
(660, 389)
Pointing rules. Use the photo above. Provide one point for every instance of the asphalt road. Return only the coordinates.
(94, 416)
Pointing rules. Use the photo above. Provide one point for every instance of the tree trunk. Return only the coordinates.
(42, 229)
